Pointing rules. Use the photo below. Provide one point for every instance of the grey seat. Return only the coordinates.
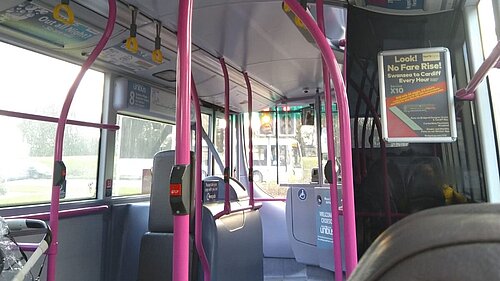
(233, 243)
(460, 242)
(155, 258)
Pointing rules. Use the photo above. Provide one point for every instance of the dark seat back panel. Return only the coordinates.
(435, 233)
(240, 248)
(129, 223)
(234, 246)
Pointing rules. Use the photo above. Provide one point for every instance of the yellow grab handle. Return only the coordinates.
(286, 8)
(298, 22)
(132, 45)
(157, 56)
(70, 15)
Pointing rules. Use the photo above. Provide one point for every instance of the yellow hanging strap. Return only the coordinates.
(157, 55)
(69, 19)
(131, 43)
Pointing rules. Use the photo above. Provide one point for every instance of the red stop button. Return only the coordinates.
(175, 189)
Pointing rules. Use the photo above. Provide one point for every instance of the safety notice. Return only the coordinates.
(416, 96)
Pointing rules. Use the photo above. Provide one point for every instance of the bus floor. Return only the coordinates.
(287, 269)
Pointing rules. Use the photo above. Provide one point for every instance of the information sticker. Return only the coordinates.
(210, 191)
(416, 96)
(398, 4)
(324, 226)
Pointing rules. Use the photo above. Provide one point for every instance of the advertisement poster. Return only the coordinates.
(416, 96)
(37, 21)
(120, 56)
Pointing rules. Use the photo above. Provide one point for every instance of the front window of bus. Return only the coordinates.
(286, 156)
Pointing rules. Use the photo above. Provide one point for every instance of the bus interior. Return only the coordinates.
(249, 140)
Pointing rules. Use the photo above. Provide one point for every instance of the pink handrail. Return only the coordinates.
(59, 141)
(198, 197)
(337, 251)
(227, 152)
(270, 199)
(71, 213)
(180, 264)
(56, 120)
(250, 140)
(345, 132)
(241, 209)
(469, 92)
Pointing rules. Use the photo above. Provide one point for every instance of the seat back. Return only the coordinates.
(459, 242)
(155, 258)
(233, 243)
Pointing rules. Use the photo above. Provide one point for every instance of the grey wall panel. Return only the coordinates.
(128, 225)
(301, 224)
(80, 248)
(275, 236)
(80, 251)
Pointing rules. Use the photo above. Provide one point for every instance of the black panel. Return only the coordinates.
(368, 33)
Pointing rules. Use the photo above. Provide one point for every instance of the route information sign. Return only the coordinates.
(416, 96)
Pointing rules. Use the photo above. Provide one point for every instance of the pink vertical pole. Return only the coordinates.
(227, 152)
(250, 139)
(337, 251)
(180, 267)
(198, 197)
(59, 141)
(345, 134)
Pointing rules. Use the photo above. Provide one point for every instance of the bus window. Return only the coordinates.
(137, 142)
(27, 146)
(296, 155)
(219, 143)
(489, 40)
(205, 120)
(259, 155)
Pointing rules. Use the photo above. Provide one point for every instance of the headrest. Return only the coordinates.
(160, 213)
(459, 242)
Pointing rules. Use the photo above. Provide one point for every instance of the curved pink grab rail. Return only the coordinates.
(469, 92)
(345, 132)
(180, 266)
(250, 139)
(58, 151)
(337, 251)
(198, 197)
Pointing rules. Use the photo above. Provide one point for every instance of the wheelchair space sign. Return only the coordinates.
(302, 194)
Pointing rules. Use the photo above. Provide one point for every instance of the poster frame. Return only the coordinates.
(449, 96)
